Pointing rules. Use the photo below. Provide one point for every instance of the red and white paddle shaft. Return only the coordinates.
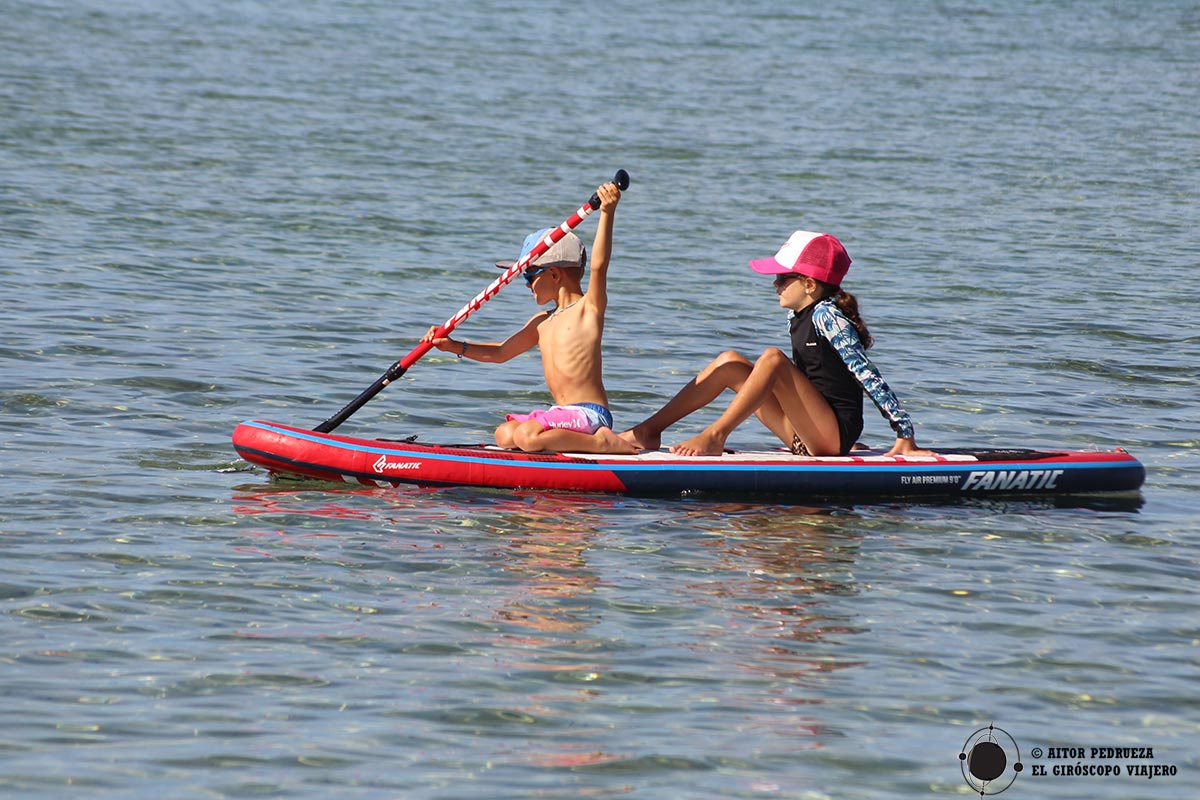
(621, 179)
(495, 286)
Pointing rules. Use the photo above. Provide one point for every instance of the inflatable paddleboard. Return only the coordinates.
(957, 472)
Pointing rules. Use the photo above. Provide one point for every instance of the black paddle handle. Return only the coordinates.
(621, 179)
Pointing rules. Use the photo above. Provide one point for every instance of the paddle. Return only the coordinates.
(621, 179)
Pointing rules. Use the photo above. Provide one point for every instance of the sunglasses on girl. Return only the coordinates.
(782, 279)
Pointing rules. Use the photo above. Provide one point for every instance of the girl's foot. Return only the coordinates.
(703, 444)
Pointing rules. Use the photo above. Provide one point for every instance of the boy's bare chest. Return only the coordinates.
(568, 332)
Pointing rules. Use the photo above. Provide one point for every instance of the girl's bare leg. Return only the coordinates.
(726, 371)
(806, 414)
(786, 402)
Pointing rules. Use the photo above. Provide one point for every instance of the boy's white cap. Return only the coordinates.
(566, 252)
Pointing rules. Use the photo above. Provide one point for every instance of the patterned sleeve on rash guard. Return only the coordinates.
(835, 326)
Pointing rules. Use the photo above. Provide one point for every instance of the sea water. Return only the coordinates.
(211, 212)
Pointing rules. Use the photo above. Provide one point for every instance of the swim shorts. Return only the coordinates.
(581, 418)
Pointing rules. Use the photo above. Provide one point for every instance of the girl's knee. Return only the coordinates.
(730, 357)
(774, 356)
(730, 368)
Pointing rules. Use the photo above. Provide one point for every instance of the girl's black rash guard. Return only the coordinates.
(827, 349)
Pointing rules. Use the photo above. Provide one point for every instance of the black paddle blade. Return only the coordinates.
(394, 372)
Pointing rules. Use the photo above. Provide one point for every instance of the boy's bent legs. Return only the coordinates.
(531, 437)
(727, 371)
(504, 435)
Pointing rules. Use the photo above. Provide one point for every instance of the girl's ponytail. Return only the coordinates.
(849, 306)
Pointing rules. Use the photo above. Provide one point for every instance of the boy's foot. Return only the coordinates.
(641, 439)
(704, 444)
(612, 443)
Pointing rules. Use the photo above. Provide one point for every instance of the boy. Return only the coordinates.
(569, 338)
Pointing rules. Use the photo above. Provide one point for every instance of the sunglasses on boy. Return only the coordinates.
(530, 274)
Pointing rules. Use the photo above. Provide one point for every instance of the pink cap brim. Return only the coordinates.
(768, 266)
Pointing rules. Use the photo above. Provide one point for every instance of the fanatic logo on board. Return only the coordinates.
(1012, 480)
(383, 464)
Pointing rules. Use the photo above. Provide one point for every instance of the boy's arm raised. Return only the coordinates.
(597, 291)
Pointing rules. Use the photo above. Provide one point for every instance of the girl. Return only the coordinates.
(814, 401)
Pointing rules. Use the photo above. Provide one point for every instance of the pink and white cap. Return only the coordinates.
(817, 255)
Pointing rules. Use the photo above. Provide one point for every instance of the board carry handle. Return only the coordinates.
(621, 179)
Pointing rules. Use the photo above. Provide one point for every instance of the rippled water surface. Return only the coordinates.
(216, 211)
